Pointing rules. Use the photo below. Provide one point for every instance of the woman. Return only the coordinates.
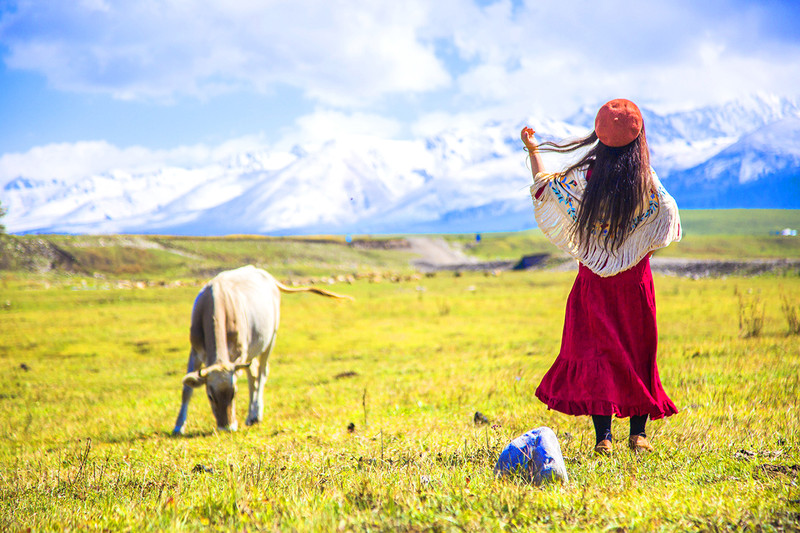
(609, 211)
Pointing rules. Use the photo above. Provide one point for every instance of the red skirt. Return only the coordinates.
(607, 363)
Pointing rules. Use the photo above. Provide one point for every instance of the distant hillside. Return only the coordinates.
(753, 222)
(154, 258)
(715, 235)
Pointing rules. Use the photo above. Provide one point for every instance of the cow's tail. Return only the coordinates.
(315, 290)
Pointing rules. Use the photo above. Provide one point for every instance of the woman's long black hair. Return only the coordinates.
(617, 192)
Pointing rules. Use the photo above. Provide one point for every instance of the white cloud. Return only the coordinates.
(511, 57)
(555, 57)
(65, 161)
(320, 126)
(345, 53)
(72, 161)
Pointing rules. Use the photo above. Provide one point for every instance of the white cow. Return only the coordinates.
(234, 324)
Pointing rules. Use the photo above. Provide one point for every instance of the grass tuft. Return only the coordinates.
(790, 312)
(751, 315)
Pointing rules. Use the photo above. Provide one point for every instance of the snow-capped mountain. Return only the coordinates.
(742, 154)
(761, 169)
(683, 139)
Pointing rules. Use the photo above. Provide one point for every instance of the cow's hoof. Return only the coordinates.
(251, 421)
(232, 427)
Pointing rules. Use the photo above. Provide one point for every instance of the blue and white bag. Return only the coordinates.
(536, 456)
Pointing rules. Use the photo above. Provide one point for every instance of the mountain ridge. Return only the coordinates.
(741, 154)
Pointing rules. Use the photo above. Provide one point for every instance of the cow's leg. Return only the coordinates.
(257, 383)
(185, 397)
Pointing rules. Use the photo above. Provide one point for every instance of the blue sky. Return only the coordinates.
(89, 84)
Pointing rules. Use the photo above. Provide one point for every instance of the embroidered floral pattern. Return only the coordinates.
(570, 185)
(556, 212)
(652, 209)
(565, 199)
(568, 182)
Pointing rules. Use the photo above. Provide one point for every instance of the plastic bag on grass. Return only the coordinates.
(536, 456)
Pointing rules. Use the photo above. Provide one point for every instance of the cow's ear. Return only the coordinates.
(194, 379)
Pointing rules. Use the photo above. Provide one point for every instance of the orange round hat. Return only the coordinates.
(618, 123)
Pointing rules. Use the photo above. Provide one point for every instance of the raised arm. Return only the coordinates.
(533, 151)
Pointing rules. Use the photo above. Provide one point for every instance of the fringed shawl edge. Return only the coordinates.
(556, 212)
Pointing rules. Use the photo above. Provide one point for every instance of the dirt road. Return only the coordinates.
(435, 253)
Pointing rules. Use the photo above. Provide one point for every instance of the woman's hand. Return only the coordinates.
(527, 139)
(533, 150)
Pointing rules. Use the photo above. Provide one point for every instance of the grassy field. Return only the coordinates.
(729, 234)
(91, 387)
(707, 234)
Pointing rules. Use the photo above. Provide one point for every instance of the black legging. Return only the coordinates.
(602, 426)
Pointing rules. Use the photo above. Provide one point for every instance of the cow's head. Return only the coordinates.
(220, 382)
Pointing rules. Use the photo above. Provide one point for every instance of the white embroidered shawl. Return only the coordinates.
(556, 213)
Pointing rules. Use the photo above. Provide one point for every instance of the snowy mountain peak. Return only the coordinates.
(463, 179)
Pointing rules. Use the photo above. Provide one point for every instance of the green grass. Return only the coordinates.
(754, 222)
(91, 386)
(85, 445)
(707, 234)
